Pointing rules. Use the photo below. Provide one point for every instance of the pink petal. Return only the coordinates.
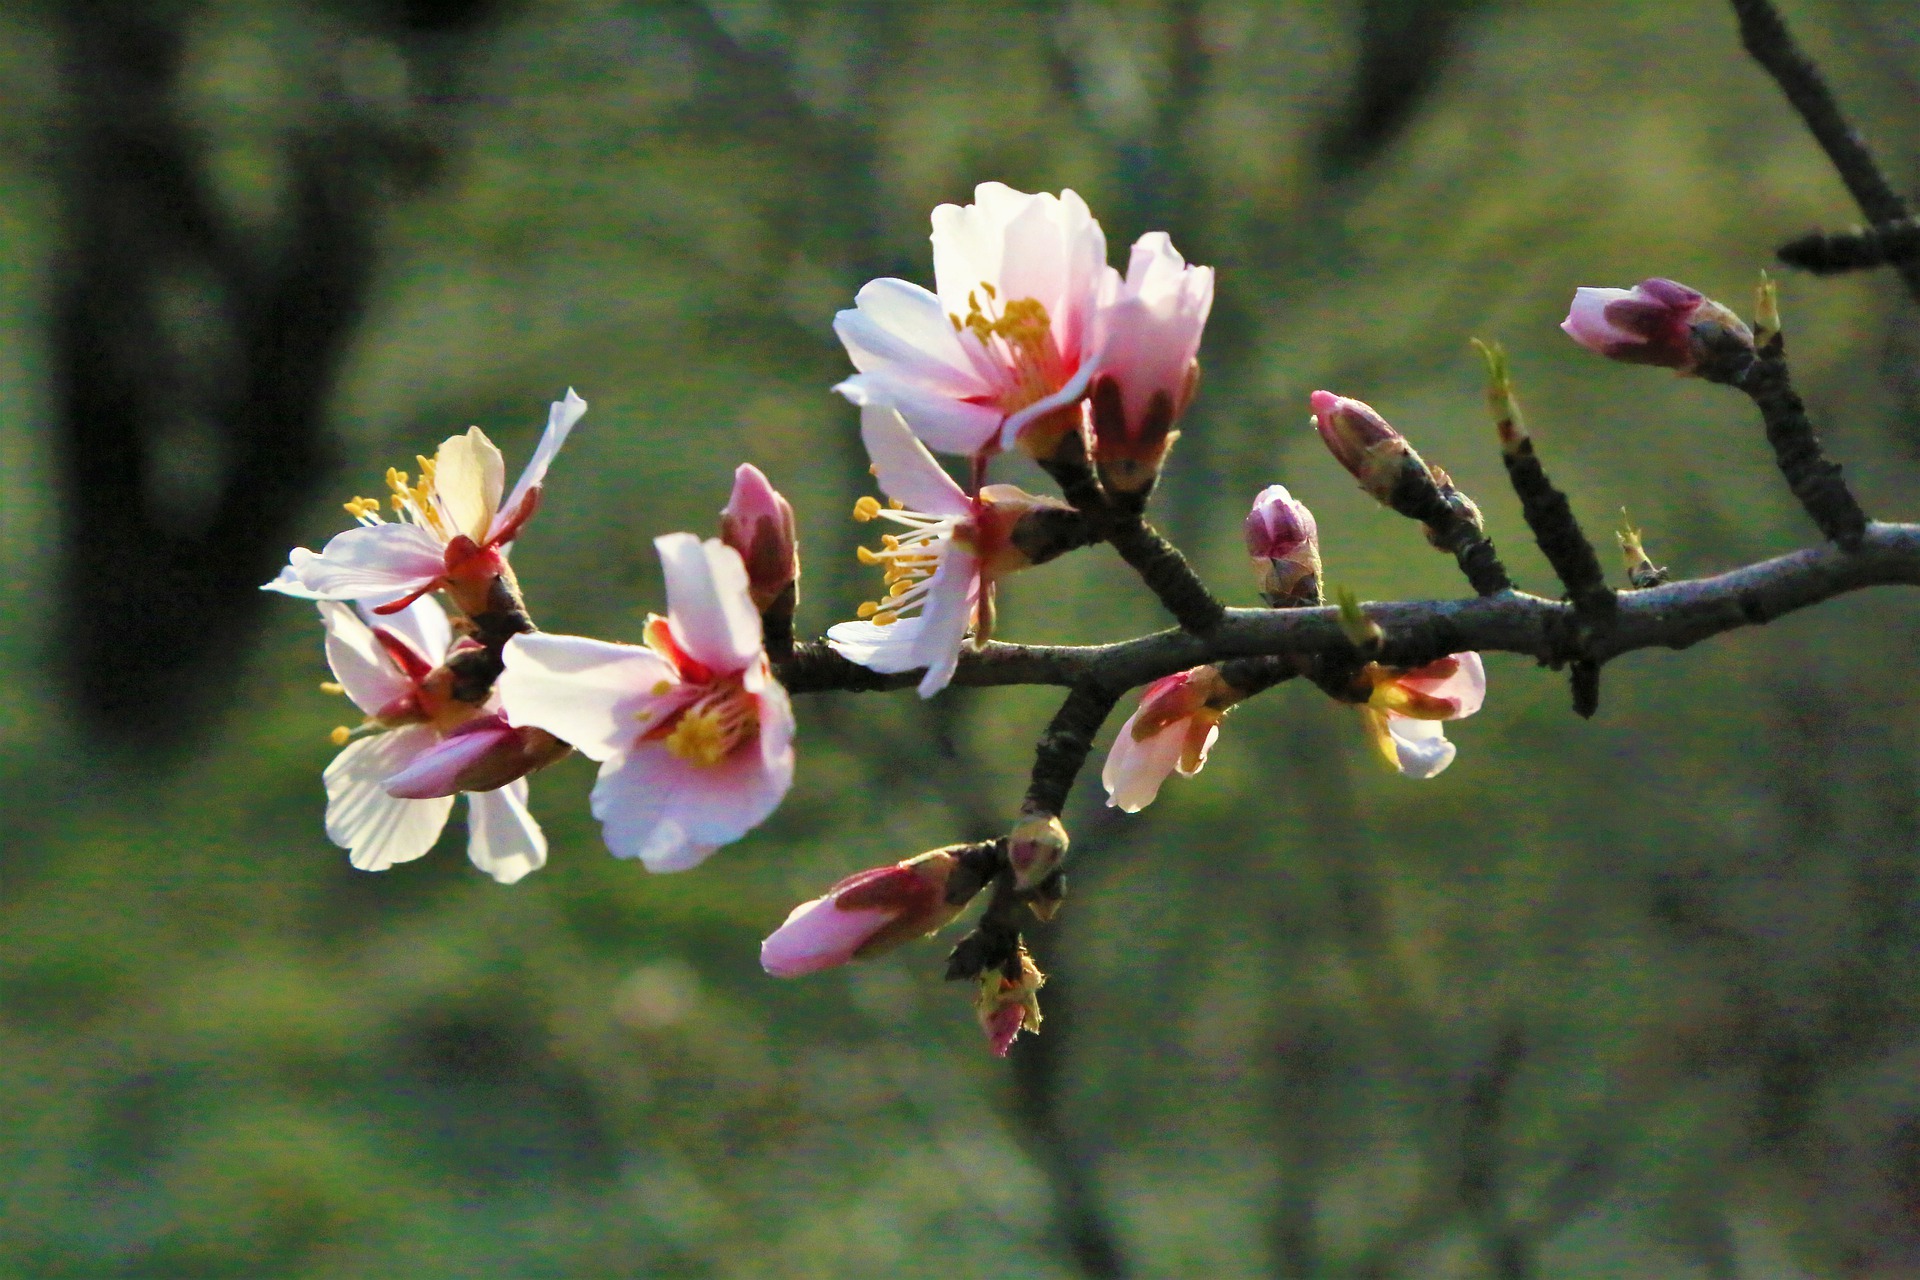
(1466, 684)
(898, 328)
(942, 421)
(437, 771)
(819, 935)
(587, 692)
(562, 415)
(379, 563)
(672, 814)
(358, 662)
(1587, 323)
(907, 472)
(708, 605)
(1135, 768)
(948, 612)
(1002, 1025)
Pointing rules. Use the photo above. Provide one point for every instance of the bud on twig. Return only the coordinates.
(1284, 543)
(1362, 441)
(758, 523)
(1006, 1006)
(1035, 847)
(1501, 402)
(1766, 311)
(1149, 369)
(864, 915)
(1364, 633)
(1657, 322)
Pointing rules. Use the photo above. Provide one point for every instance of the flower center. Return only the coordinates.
(713, 727)
(909, 559)
(1019, 333)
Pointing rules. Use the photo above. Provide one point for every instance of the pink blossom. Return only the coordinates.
(1656, 322)
(1150, 338)
(940, 573)
(863, 915)
(452, 530)
(1403, 713)
(1283, 541)
(1361, 441)
(1172, 730)
(694, 735)
(390, 668)
(758, 523)
(1004, 341)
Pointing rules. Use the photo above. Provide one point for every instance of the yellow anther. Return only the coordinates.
(900, 587)
(956, 321)
(340, 735)
(894, 504)
(866, 556)
(698, 739)
(661, 687)
(989, 290)
(399, 503)
(885, 618)
(868, 609)
(328, 686)
(891, 541)
(427, 469)
(866, 509)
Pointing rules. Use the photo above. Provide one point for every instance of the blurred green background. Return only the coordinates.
(1628, 997)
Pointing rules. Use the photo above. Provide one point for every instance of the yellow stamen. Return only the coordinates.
(340, 735)
(894, 504)
(866, 509)
(900, 587)
(661, 686)
(884, 618)
(867, 609)
(329, 686)
(865, 556)
(699, 738)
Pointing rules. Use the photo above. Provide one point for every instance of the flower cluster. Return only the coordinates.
(1028, 340)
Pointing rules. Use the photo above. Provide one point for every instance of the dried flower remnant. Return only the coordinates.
(1172, 731)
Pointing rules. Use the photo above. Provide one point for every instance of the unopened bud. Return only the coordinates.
(1501, 403)
(1284, 544)
(484, 754)
(758, 523)
(1007, 1006)
(864, 915)
(1362, 441)
(1149, 370)
(1658, 322)
(1036, 847)
(1766, 311)
(1362, 631)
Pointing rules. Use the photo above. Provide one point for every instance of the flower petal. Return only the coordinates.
(888, 650)
(819, 935)
(288, 582)
(379, 562)
(436, 771)
(708, 606)
(907, 472)
(898, 327)
(942, 422)
(1587, 323)
(503, 840)
(561, 418)
(948, 613)
(1465, 683)
(422, 625)
(358, 662)
(588, 692)
(376, 829)
(672, 814)
(1135, 768)
(1421, 746)
(468, 475)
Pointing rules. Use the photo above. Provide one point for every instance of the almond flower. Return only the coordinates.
(863, 915)
(414, 728)
(1658, 322)
(451, 530)
(1403, 713)
(940, 571)
(1003, 342)
(1283, 542)
(693, 734)
(1171, 731)
(1148, 366)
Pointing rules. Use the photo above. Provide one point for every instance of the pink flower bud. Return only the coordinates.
(484, 754)
(1007, 1006)
(1657, 322)
(1035, 848)
(1284, 544)
(1363, 442)
(865, 914)
(1148, 369)
(758, 523)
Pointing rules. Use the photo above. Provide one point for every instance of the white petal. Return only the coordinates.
(948, 612)
(671, 814)
(907, 472)
(376, 829)
(708, 606)
(1075, 387)
(378, 562)
(468, 475)
(422, 624)
(888, 650)
(562, 415)
(587, 692)
(897, 323)
(941, 421)
(1421, 745)
(288, 581)
(1135, 769)
(359, 663)
(503, 840)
